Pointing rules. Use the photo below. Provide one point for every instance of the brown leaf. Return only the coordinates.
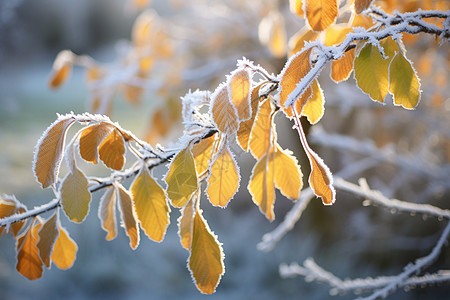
(48, 234)
(29, 263)
(128, 215)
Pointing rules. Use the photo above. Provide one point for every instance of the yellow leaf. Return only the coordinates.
(239, 85)
(202, 152)
(295, 69)
(404, 84)
(48, 234)
(336, 34)
(362, 5)
(181, 178)
(62, 67)
(297, 41)
(142, 28)
(288, 177)
(245, 127)
(90, 139)
(300, 103)
(371, 70)
(296, 7)
(262, 184)
(107, 213)
(65, 250)
(128, 215)
(151, 205)
(8, 207)
(112, 150)
(261, 135)
(343, 67)
(29, 263)
(224, 180)
(223, 112)
(48, 151)
(314, 108)
(272, 33)
(206, 259)
(320, 180)
(75, 195)
(186, 222)
(320, 13)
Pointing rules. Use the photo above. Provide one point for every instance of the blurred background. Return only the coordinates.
(404, 154)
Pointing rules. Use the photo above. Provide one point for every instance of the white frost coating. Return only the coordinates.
(192, 102)
(28, 214)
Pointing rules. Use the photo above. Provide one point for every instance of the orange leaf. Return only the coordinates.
(239, 89)
(128, 215)
(320, 13)
(362, 5)
(29, 263)
(206, 259)
(65, 250)
(295, 69)
(151, 205)
(298, 40)
(224, 180)
(112, 150)
(62, 67)
(288, 177)
(48, 234)
(223, 112)
(296, 7)
(262, 184)
(261, 135)
(336, 34)
(48, 151)
(202, 152)
(90, 139)
(300, 103)
(8, 207)
(107, 213)
(343, 67)
(245, 127)
(314, 108)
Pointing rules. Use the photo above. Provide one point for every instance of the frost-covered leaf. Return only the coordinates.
(112, 150)
(48, 234)
(181, 178)
(90, 139)
(298, 40)
(300, 103)
(404, 84)
(261, 135)
(75, 195)
(262, 184)
(223, 111)
(315, 108)
(9, 206)
(320, 13)
(202, 152)
(49, 149)
(245, 128)
(62, 68)
(239, 84)
(372, 70)
(342, 67)
(295, 69)
(65, 250)
(206, 259)
(107, 213)
(186, 222)
(362, 5)
(128, 215)
(288, 177)
(224, 180)
(29, 263)
(151, 205)
(296, 7)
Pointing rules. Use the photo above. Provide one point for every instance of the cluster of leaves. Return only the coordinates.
(240, 111)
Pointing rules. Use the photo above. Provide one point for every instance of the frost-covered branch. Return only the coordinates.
(313, 272)
(392, 25)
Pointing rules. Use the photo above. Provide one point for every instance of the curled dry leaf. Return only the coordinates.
(128, 215)
(48, 234)
(8, 207)
(49, 149)
(62, 67)
(107, 213)
(206, 259)
(186, 221)
(29, 263)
